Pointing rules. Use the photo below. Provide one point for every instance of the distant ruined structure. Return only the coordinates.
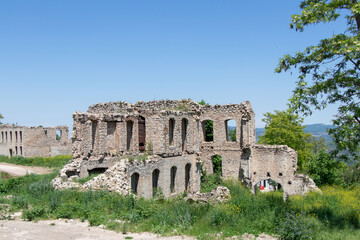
(34, 141)
(154, 145)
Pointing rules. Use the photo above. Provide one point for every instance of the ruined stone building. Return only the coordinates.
(34, 141)
(154, 145)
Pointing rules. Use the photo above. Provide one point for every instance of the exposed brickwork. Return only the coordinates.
(162, 145)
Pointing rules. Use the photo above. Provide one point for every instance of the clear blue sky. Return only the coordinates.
(58, 57)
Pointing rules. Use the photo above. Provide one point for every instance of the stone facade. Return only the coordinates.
(34, 141)
(154, 145)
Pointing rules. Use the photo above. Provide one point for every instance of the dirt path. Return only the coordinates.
(66, 230)
(18, 170)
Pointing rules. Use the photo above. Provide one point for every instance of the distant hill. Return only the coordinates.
(317, 130)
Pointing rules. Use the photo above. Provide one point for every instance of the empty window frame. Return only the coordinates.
(230, 128)
(184, 126)
(16, 136)
(217, 164)
(187, 176)
(129, 132)
(21, 150)
(208, 130)
(155, 181)
(93, 133)
(171, 131)
(142, 133)
(135, 182)
(10, 137)
(21, 136)
(172, 179)
(58, 135)
(2, 137)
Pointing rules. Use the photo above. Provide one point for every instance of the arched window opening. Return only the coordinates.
(142, 133)
(217, 164)
(172, 179)
(59, 133)
(129, 130)
(184, 126)
(135, 182)
(187, 176)
(93, 133)
(171, 131)
(230, 128)
(208, 130)
(155, 181)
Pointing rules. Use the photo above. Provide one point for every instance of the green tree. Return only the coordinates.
(285, 128)
(1, 117)
(329, 71)
(325, 170)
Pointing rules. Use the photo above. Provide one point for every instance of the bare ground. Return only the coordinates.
(19, 170)
(66, 230)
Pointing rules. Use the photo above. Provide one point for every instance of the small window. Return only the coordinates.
(230, 128)
(172, 179)
(171, 131)
(45, 132)
(2, 137)
(155, 181)
(217, 164)
(20, 136)
(129, 132)
(10, 137)
(21, 150)
(58, 134)
(135, 182)
(16, 136)
(208, 130)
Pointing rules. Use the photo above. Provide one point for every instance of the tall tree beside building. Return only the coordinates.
(329, 71)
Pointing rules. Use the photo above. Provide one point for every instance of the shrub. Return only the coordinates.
(294, 226)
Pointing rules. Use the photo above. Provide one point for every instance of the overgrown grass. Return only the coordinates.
(55, 162)
(88, 178)
(328, 216)
(5, 175)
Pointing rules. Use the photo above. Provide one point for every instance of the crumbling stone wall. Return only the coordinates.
(161, 146)
(34, 141)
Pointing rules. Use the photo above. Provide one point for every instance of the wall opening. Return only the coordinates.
(172, 179)
(58, 135)
(171, 131)
(187, 176)
(45, 132)
(135, 182)
(268, 185)
(20, 136)
(99, 170)
(93, 133)
(155, 181)
(21, 150)
(16, 150)
(208, 130)
(16, 136)
(129, 131)
(217, 164)
(230, 128)
(6, 137)
(111, 127)
(10, 137)
(10, 152)
(142, 133)
(2, 137)
(184, 126)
